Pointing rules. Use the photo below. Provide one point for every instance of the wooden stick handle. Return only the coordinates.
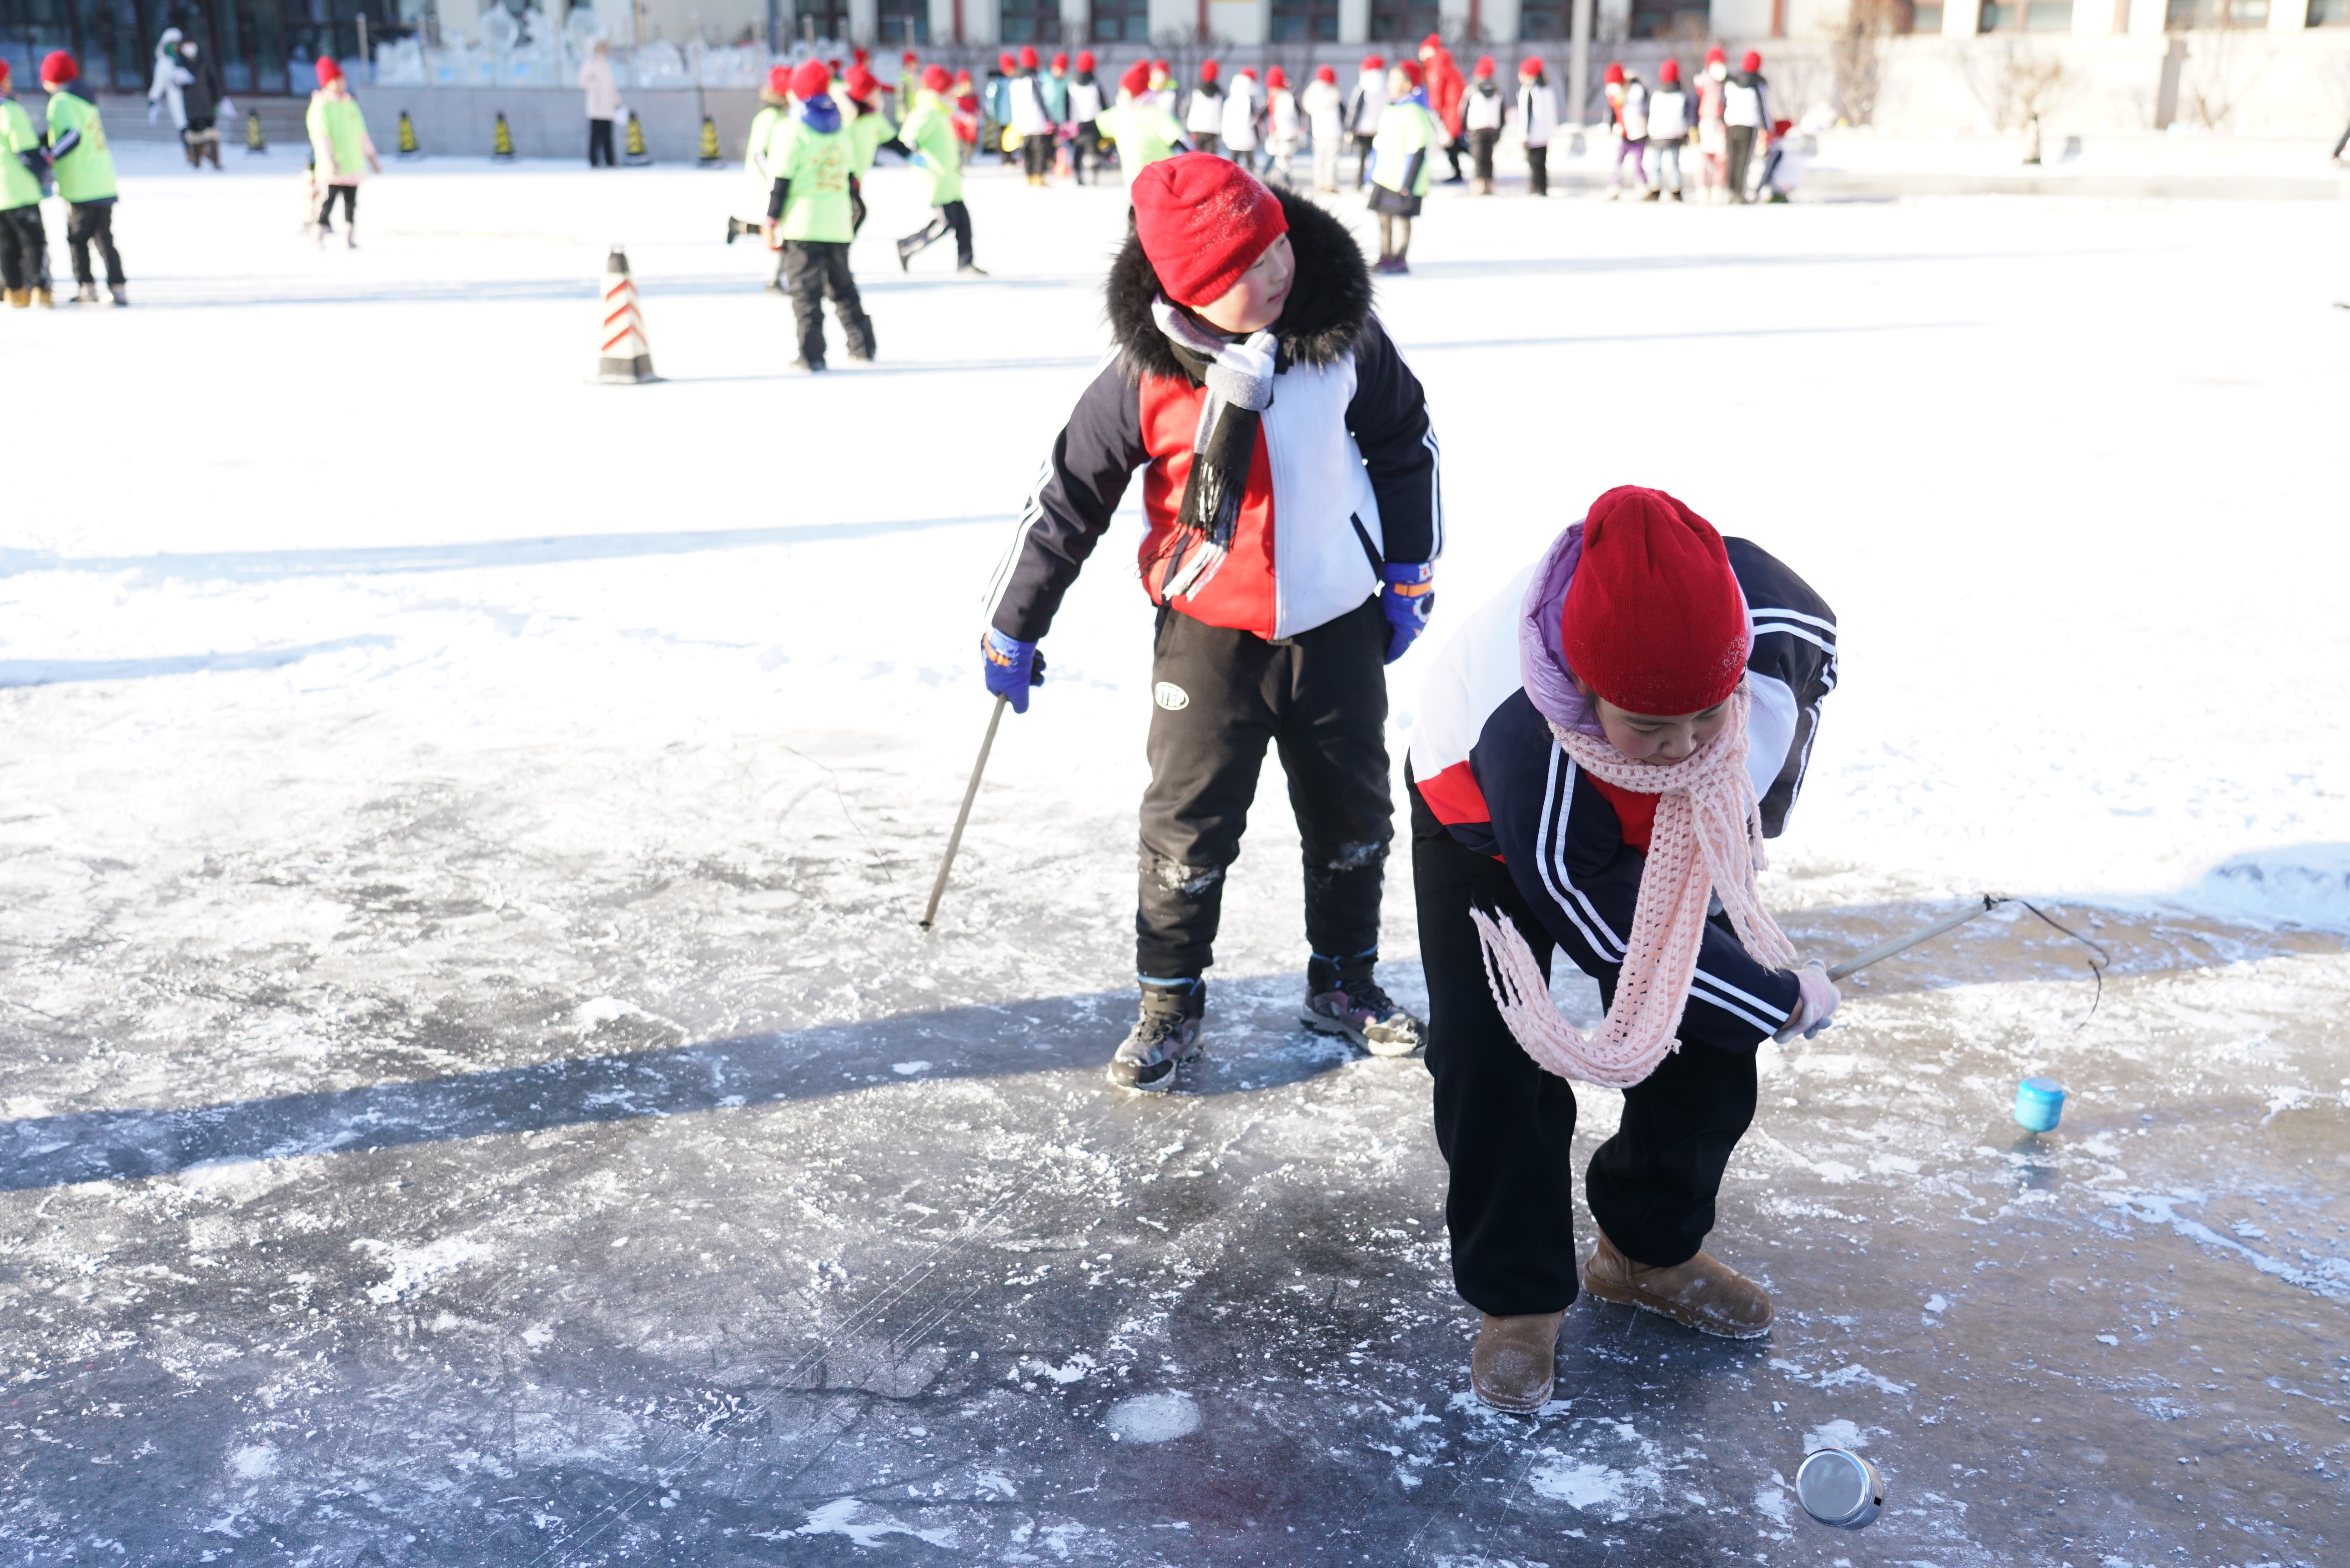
(970, 793)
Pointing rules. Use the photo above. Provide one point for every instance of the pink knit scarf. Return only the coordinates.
(1708, 837)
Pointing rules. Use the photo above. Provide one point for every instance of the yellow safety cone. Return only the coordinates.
(253, 140)
(710, 158)
(501, 140)
(408, 147)
(624, 356)
(634, 152)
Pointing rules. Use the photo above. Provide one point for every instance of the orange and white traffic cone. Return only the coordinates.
(625, 355)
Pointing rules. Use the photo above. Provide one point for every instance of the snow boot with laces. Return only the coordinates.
(1343, 998)
(1166, 1036)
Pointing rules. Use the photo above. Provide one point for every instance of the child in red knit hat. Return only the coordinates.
(1598, 754)
(1244, 328)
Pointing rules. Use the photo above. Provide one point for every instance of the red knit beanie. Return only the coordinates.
(1373, 63)
(1136, 80)
(1028, 59)
(935, 78)
(1714, 56)
(1484, 66)
(1654, 620)
(59, 67)
(1006, 64)
(1085, 59)
(1753, 62)
(779, 80)
(1615, 75)
(1203, 221)
(1325, 74)
(1208, 69)
(1276, 78)
(1411, 71)
(813, 79)
(861, 84)
(1060, 62)
(1670, 71)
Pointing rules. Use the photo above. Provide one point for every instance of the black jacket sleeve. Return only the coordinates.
(1388, 419)
(1796, 645)
(1079, 487)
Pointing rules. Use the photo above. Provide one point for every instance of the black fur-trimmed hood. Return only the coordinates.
(1328, 303)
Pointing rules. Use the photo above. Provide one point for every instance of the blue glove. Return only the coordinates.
(1012, 667)
(1409, 599)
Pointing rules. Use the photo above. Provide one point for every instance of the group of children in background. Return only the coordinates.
(1729, 113)
(71, 154)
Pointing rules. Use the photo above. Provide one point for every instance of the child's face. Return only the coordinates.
(1650, 738)
(1254, 303)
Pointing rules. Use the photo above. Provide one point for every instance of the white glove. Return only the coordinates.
(1815, 1005)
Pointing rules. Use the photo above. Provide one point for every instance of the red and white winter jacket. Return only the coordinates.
(1345, 477)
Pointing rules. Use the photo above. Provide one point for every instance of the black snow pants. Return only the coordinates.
(1321, 699)
(1481, 153)
(23, 248)
(1507, 1128)
(815, 270)
(348, 195)
(599, 144)
(91, 224)
(1086, 148)
(1036, 155)
(1363, 158)
(1537, 171)
(954, 217)
(1741, 153)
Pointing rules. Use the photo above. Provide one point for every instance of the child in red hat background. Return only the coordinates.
(1244, 328)
(1599, 753)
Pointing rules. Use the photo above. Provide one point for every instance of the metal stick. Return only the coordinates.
(1903, 944)
(970, 793)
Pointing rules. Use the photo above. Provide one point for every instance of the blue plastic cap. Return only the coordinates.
(2038, 1101)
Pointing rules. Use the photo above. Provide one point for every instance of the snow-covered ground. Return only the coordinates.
(415, 754)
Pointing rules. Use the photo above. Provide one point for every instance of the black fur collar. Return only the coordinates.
(1328, 306)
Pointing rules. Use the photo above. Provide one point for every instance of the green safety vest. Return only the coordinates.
(1144, 132)
(17, 186)
(818, 164)
(866, 133)
(337, 122)
(87, 174)
(754, 149)
(1404, 128)
(929, 130)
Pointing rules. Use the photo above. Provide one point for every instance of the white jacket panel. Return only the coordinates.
(1206, 113)
(1635, 111)
(1669, 114)
(1028, 116)
(1324, 106)
(1371, 102)
(1320, 490)
(1537, 112)
(1741, 104)
(1482, 110)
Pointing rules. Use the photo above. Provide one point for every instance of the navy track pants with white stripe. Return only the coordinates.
(1507, 1128)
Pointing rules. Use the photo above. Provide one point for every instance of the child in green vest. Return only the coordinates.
(84, 171)
(23, 243)
(343, 154)
(814, 163)
(929, 132)
(775, 109)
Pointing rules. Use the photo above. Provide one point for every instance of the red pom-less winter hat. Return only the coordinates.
(1753, 62)
(908, 57)
(1276, 78)
(1484, 66)
(1136, 80)
(1085, 59)
(779, 80)
(1714, 56)
(813, 79)
(859, 56)
(1028, 59)
(1248, 73)
(1373, 63)
(1060, 62)
(1207, 70)
(1411, 71)
(1615, 76)
(1654, 620)
(5, 73)
(935, 78)
(1532, 66)
(1670, 71)
(59, 66)
(1203, 221)
(1433, 41)
(861, 84)
(1325, 74)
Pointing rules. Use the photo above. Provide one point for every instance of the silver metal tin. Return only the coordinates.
(1839, 1488)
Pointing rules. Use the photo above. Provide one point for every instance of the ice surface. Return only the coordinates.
(475, 1092)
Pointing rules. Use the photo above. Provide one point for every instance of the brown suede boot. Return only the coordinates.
(1512, 1366)
(1703, 1294)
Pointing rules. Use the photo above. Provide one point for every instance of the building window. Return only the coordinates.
(904, 23)
(1924, 18)
(2182, 14)
(1305, 21)
(814, 19)
(2329, 13)
(1030, 21)
(1402, 21)
(2048, 17)
(1544, 19)
(1122, 22)
(1669, 18)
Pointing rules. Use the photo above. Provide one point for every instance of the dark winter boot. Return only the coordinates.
(1165, 1035)
(1341, 998)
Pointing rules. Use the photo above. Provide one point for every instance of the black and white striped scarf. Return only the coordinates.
(1239, 378)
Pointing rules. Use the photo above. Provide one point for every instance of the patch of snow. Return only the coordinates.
(907, 1069)
(840, 1517)
(412, 1266)
(1154, 1418)
(1857, 1374)
(1837, 1434)
(254, 1461)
